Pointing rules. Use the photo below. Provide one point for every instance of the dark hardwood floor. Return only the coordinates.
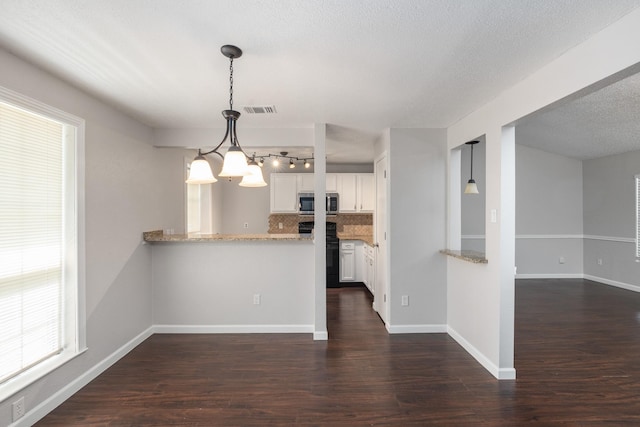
(577, 360)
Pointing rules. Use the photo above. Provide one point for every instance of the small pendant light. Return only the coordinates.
(472, 187)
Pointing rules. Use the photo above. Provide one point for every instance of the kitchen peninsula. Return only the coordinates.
(159, 236)
(232, 283)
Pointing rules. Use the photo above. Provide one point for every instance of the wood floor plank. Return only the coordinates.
(576, 354)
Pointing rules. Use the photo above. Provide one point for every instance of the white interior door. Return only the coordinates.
(381, 294)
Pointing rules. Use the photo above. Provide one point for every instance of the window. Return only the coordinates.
(198, 205)
(41, 324)
(637, 216)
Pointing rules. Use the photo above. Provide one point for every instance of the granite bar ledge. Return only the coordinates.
(158, 236)
(471, 256)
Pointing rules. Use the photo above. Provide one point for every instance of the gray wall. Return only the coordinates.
(548, 214)
(209, 287)
(609, 219)
(417, 159)
(243, 204)
(130, 187)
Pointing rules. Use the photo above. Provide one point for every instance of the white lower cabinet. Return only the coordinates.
(357, 263)
(347, 261)
(369, 268)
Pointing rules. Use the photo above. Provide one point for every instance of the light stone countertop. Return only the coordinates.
(367, 238)
(471, 256)
(159, 236)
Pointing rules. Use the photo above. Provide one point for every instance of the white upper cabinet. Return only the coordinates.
(366, 192)
(284, 193)
(306, 183)
(348, 192)
(332, 182)
(357, 192)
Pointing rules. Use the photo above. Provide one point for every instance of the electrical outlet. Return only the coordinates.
(280, 225)
(405, 300)
(18, 409)
(599, 261)
(256, 299)
(246, 225)
(561, 260)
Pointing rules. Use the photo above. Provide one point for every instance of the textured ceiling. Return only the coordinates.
(604, 123)
(359, 65)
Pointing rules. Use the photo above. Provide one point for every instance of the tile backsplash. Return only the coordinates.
(356, 224)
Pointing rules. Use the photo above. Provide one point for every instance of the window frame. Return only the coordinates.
(75, 246)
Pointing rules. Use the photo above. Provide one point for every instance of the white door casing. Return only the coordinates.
(381, 294)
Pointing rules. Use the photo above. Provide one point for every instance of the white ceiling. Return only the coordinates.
(603, 123)
(358, 65)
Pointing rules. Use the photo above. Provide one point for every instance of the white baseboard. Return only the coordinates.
(499, 373)
(233, 329)
(627, 286)
(320, 336)
(622, 285)
(416, 329)
(550, 276)
(70, 389)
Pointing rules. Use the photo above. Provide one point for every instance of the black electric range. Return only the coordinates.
(333, 250)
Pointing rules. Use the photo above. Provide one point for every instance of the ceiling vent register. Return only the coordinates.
(263, 109)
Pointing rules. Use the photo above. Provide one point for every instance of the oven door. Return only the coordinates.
(305, 203)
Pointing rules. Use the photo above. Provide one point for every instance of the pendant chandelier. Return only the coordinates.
(471, 187)
(235, 161)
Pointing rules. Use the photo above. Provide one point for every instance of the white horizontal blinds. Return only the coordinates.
(31, 239)
(637, 216)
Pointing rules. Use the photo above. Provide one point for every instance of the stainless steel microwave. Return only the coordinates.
(306, 203)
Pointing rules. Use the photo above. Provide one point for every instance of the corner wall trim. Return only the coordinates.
(70, 389)
(417, 329)
(622, 285)
(610, 239)
(550, 276)
(499, 373)
(320, 336)
(233, 329)
(627, 286)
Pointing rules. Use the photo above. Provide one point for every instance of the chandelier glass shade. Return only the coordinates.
(254, 178)
(200, 171)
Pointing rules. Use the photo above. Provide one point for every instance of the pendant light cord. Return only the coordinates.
(231, 83)
(471, 161)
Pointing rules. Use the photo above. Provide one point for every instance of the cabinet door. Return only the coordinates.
(347, 189)
(360, 261)
(366, 192)
(305, 183)
(332, 182)
(284, 193)
(371, 274)
(347, 261)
